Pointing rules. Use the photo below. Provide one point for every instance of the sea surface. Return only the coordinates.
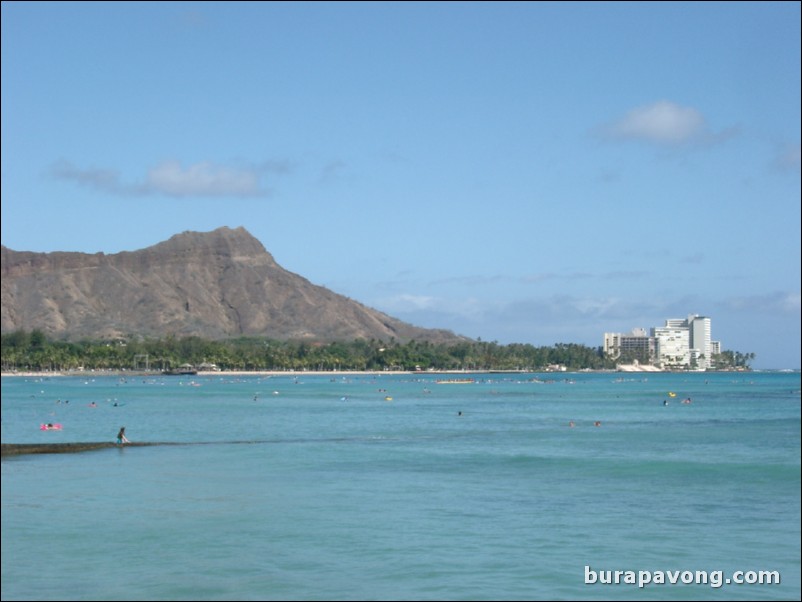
(397, 487)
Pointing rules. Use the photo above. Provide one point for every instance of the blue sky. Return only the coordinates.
(516, 172)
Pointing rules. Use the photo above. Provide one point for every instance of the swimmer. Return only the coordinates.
(571, 424)
(597, 423)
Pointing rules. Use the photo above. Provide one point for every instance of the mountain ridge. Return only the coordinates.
(218, 284)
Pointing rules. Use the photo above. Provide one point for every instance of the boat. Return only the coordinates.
(456, 381)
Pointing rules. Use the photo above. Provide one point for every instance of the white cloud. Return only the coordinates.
(662, 122)
(107, 180)
(406, 303)
(202, 179)
(580, 276)
(779, 303)
(170, 178)
(542, 320)
(791, 302)
(518, 312)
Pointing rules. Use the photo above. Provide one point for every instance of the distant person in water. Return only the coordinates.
(121, 438)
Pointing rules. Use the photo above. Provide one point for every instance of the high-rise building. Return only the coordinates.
(672, 345)
(636, 346)
(681, 343)
(701, 354)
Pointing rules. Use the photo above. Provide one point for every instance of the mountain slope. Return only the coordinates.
(214, 285)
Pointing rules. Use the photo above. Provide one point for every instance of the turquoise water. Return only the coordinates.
(318, 487)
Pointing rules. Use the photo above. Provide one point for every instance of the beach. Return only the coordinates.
(228, 373)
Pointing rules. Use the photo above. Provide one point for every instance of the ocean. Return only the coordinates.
(399, 487)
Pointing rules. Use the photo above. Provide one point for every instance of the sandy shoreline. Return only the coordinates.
(234, 373)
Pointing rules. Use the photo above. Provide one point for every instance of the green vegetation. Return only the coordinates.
(24, 351)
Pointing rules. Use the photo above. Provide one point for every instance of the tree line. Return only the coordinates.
(34, 351)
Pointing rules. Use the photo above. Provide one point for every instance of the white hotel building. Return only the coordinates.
(681, 343)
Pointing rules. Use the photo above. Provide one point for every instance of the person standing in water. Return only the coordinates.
(121, 438)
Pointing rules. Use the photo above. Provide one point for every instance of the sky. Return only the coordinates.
(535, 173)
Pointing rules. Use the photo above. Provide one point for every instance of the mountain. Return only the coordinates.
(214, 285)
